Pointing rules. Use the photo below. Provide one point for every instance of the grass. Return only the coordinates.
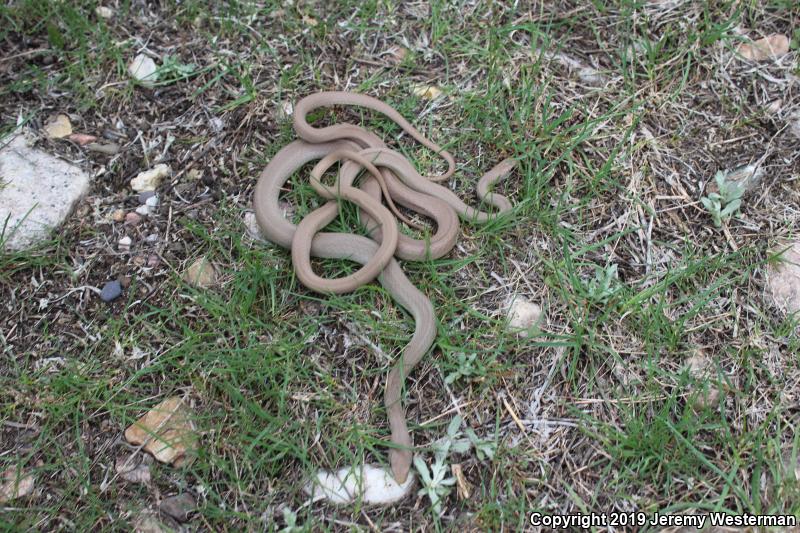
(284, 381)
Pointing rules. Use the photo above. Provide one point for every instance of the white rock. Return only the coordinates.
(104, 12)
(783, 278)
(253, 231)
(152, 201)
(371, 484)
(143, 69)
(143, 210)
(523, 314)
(150, 179)
(37, 192)
(125, 243)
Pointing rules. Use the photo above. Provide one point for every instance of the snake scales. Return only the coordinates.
(391, 177)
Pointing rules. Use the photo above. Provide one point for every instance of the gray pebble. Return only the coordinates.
(144, 195)
(111, 291)
(179, 507)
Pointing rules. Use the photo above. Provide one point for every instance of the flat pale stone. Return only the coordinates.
(201, 274)
(149, 180)
(37, 192)
(59, 127)
(523, 315)
(770, 47)
(15, 484)
(143, 68)
(167, 432)
(371, 484)
(783, 278)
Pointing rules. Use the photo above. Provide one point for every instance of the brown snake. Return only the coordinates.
(391, 177)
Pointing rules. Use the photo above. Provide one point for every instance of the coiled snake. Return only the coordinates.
(391, 177)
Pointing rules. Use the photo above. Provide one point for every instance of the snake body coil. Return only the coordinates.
(391, 178)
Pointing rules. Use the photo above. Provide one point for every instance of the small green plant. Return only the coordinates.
(435, 483)
(466, 367)
(724, 203)
(290, 518)
(604, 285)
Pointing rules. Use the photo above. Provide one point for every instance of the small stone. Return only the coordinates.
(153, 237)
(125, 243)
(179, 507)
(144, 195)
(251, 226)
(429, 92)
(111, 291)
(396, 54)
(153, 261)
(118, 215)
(771, 47)
(698, 363)
(523, 315)
(132, 219)
(82, 139)
(15, 484)
(370, 484)
(107, 148)
(134, 468)
(201, 274)
(775, 106)
(104, 12)
(705, 398)
(143, 210)
(783, 278)
(285, 110)
(148, 522)
(139, 261)
(152, 201)
(58, 128)
(150, 179)
(143, 69)
(167, 432)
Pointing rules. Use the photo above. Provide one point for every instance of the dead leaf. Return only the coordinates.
(167, 432)
(462, 485)
(134, 468)
(14, 484)
(59, 127)
(427, 91)
(773, 46)
(82, 138)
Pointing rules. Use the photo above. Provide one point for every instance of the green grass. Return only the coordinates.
(284, 381)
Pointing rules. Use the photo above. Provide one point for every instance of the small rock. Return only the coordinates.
(150, 179)
(152, 201)
(58, 128)
(201, 274)
(770, 47)
(143, 69)
(370, 484)
(704, 398)
(698, 363)
(107, 148)
(118, 215)
(82, 139)
(139, 261)
(396, 54)
(104, 12)
(111, 291)
(251, 225)
(125, 243)
(153, 237)
(167, 432)
(144, 195)
(775, 106)
(15, 484)
(134, 468)
(523, 315)
(153, 261)
(783, 278)
(179, 507)
(143, 210)
(132, 219)
(428, 92)
(148, 522)
(286, 110)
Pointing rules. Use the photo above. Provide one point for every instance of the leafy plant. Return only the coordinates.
(605, 283)
(724, 203)
(465, 368)
(290, 517)
(435, 485)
